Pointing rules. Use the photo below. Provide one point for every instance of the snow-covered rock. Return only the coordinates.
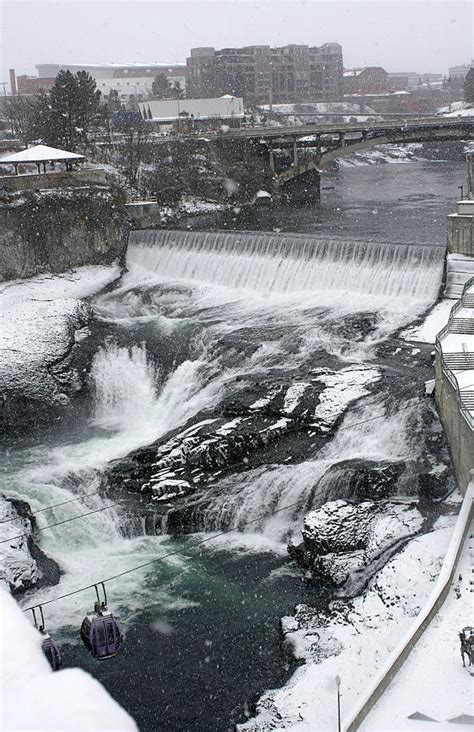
(37, 341)
(352, 640)
(36, 698)
(343, 387)
(41, 322)
(342, 538)
(22, 563)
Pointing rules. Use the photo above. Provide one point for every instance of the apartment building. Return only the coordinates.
(265, 75)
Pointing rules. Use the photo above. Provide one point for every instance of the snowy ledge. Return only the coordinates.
(398, 656)
(36, 698)
(354, 639)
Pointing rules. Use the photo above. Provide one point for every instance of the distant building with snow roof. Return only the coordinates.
(127, 79)
(190, 113)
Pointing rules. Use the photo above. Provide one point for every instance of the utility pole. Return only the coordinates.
(338, 684)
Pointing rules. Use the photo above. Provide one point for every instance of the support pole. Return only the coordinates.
(272, 159)
(295, 152)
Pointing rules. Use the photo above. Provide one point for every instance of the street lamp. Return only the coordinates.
(338, 684)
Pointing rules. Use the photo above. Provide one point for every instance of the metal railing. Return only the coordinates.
(446, 369)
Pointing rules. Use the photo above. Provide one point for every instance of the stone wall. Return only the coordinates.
(54, 230)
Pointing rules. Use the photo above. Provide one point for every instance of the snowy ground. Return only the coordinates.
(435, 321)
(457, 109)
(76, 283)
(33, 697)
(433, 681)
(354, 641)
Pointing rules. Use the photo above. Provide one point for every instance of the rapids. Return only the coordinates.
(197, 316)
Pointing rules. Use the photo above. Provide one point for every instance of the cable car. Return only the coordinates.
(48, 646)
(100, 631)
(52, 652)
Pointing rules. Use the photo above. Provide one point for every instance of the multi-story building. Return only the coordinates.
(458, 73)
(129, 80)
(370, 80)
(265, 75)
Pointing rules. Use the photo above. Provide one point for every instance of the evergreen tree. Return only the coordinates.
(469, 86)
(161, 87)
(73, 107)
(87, 102)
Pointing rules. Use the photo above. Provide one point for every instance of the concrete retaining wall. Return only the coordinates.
(460, 434)
(143, 214)
(461, 234)
(54, 179)
(399, 655)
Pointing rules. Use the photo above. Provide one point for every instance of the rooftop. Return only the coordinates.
(39, 154)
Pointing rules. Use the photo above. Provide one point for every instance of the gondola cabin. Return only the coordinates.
(101, 634)
(52, 652)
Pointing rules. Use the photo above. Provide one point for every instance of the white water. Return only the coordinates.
(284, 263)
(131, 410)
(298, 299)
(273, 487)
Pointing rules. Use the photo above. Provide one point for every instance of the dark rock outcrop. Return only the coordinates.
(52, 230)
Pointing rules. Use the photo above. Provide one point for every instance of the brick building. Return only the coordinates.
(265, 75)
(370, 80)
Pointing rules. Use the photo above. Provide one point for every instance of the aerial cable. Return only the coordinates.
(95, 493)
(175, 553)
(165, 556)
(59, 523)
(47, 508)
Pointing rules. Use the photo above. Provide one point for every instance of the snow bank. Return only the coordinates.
(435, 321)
(413, 689)
(77, 283)
(41, 322)
(352, 641)
(36, 698)
(18, 569)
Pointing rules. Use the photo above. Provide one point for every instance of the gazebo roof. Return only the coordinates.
(40, 154)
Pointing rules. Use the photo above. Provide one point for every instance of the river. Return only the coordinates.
(203, 314)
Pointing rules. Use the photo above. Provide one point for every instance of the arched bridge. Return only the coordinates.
(327, 142)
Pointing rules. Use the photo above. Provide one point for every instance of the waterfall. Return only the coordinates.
(306, 485)
(286, 263)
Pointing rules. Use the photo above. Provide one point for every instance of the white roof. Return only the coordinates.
(167, 110)
(39, 154)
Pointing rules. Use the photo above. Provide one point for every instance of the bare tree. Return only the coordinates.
(135, 135)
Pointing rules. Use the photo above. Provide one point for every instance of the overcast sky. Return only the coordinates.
(408, 35)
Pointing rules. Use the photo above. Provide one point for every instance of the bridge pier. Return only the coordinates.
(304, 189)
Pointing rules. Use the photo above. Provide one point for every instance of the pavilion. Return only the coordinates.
(41, 154)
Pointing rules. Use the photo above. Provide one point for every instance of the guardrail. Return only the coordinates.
(401, 652)
(450, 375)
